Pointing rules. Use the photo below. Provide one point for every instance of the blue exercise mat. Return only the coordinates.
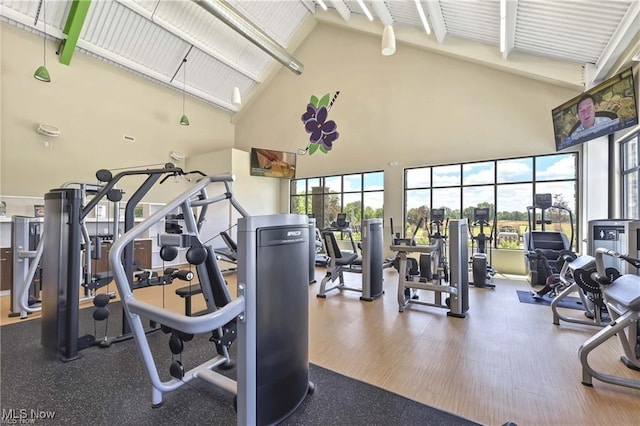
(570, 302)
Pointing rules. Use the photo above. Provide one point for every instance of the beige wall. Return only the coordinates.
(414, 108)
(257, 195)
(94, 105)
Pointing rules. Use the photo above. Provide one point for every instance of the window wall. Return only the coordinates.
(359, 195)
(630, 169)
(506, 187)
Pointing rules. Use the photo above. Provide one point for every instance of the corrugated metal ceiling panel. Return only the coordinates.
(567, 30)
(214, 34)
(110, 25)
(405, 12)
(474, 20)
(124, 32)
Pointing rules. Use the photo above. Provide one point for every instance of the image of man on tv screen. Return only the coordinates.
(590, 121)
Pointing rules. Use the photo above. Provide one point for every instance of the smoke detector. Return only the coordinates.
(48, 130)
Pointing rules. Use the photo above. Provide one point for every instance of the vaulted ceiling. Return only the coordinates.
(544, 39)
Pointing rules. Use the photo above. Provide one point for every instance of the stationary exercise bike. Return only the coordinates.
(481, 269)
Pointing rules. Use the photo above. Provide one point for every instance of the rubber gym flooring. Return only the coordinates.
(109, 386)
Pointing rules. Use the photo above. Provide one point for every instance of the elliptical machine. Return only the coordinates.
(481, 269)
(434, 266)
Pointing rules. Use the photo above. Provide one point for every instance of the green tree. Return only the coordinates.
(354, 214)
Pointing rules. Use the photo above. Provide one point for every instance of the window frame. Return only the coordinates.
(534, 181)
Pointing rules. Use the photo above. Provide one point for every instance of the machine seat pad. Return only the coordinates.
(626, 291)
(189, 290)
(346, 258)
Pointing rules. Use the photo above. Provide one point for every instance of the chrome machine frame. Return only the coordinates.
(244, 308)
(622, 298)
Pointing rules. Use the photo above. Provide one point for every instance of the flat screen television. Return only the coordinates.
(606, 108)
(272, 163)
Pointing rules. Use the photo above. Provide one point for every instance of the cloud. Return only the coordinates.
(514, 170)
(563, 168)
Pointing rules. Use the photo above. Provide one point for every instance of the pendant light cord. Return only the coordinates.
(44, 21)
(184, 82)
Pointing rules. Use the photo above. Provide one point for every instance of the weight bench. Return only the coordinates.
(339, 261)
(622, 298)
(186, 293)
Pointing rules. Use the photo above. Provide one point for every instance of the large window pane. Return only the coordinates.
(630, 153)
(446, 175)
(630, 191)
(373, 181)
(333, 184)
(517, 170)
(512, 203)
(352, 183)
(332, 206)
(477, 196)
(418, 178)
(478, 173)
(449, 199)
(298, 187)
(352, 206)
(554, 167)
(416, 207)
(325, 197)
(564, 195)
(373, 205)
(314, 182)
(298, 204)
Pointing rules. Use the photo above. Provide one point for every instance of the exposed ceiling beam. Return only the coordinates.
(342, 9)
(508, 25)
(149, 15)
(100, 52)
(381, 10)
(423, 16)
(436, 19)
(310, 5)
(73, 27)
(560, 73)
(322, 4)
(627, 30)
(365, 10)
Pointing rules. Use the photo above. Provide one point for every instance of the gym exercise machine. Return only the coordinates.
(481, 270)
(573, 278)
(272, 357)
(544, 244)
(556, 282)
(63, 232)
(622, 297)
(28, 246)
(457, 287)
(616, 235)
(26, 233)
(370, 267)
(313, 250)
(435, 266)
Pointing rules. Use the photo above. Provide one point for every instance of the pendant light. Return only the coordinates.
(184, 120)
(236, 99)
(388, 41)
(42, 73)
